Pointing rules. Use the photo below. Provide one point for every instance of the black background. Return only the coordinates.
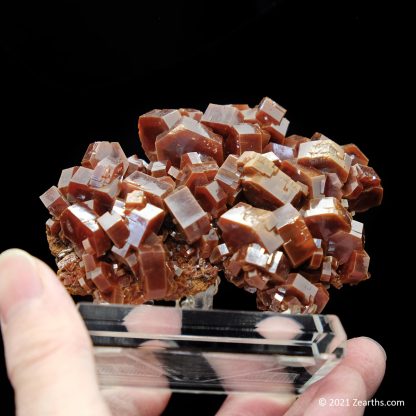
(83, 71)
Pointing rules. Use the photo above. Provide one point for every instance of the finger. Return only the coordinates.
(240, 373)
(256, 404)
(357, 377)
(131, 401)
(48, 351)
(149, 319)
(247, 372)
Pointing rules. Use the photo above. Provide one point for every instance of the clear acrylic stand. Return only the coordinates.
(211, 351)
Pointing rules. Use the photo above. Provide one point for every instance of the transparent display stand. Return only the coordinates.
(211, 351)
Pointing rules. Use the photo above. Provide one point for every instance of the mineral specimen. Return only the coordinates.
(225, 191)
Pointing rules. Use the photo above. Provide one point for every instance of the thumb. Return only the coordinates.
(48, 351)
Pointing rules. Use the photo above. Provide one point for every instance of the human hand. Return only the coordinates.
(51, 367)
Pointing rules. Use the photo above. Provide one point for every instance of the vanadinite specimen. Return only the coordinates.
(225, 191)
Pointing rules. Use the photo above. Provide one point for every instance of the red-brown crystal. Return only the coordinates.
(191, 218)
(228, 176)
(154, 188)
(311, 177)
(159, 168)
(115, 227)
(298, 244)
(79, 223)
(212, 198)
(53, 227)
(188, 135)
(356, 269)
(244, 224)
(326, 216)
(342, 243)
(207, 243)
(326, 155)
(277, 131)
(65, 178)
(79, 185)
(221, 117)
(270, 112)
(276, 217)
(194, 176)
(153, 123)
(104, 198)
(244, 137)
(143, 222)
(154, 270)
(191, 112)
(136, 164)
(268, 187)
(54, 201)
(282, 152)
(356, 154)
(135, 200)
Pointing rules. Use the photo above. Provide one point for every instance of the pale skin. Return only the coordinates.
(50, 362)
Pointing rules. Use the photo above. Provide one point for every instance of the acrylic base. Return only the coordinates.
(211, 351)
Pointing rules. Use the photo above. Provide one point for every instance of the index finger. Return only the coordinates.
(356, 377)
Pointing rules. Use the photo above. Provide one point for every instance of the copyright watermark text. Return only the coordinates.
(348, 402)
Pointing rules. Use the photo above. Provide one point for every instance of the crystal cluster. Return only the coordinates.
(224, 190)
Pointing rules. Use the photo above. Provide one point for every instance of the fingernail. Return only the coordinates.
(281, 327)
(151, 320)
(19, 280)
(379, 345)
